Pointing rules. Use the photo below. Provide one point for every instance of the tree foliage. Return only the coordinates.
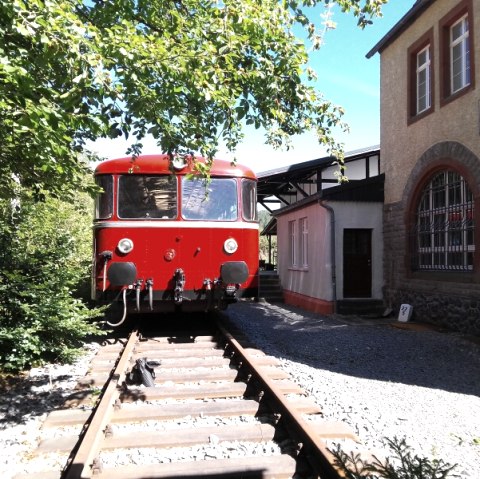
(188, 72)
(45, 254)
(267, 246)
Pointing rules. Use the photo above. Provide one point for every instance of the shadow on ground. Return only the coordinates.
(372, 349)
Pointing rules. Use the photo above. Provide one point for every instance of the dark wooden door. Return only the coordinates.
(357, 263)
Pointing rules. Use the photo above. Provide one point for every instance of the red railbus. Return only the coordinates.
(167, 239)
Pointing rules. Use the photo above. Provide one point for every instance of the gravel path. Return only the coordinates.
(383, 381)
(25, 403)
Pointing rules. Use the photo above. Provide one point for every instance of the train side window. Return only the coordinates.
(213, 200)
(104, 199)
(147, 197)
(249, 200)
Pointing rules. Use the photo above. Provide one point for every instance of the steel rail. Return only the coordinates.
(82, 462)
(319, 457)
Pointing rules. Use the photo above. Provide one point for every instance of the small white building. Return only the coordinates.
(329, 235)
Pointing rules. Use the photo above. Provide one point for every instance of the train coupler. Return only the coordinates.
(208, 284)
(179, 278)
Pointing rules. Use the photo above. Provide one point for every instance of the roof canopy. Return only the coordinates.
(294, 183)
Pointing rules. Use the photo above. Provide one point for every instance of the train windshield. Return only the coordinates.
(104, 200)
(213, 200)
(144, 197)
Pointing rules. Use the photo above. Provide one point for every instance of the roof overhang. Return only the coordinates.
(417, 9)
(368, 190)
(275, 186)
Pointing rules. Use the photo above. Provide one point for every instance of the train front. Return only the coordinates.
(166, 240)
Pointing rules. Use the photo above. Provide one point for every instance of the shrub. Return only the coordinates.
(45, 254)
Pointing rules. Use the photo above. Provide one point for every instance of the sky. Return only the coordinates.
(345, 77)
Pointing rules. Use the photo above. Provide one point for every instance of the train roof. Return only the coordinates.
(160, 164)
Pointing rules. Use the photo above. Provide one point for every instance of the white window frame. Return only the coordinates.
(460, 52)
(292, 241)
(423, 77)
(303, 243)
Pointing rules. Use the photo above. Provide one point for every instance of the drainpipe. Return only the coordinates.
(332, 250)
(270, 249)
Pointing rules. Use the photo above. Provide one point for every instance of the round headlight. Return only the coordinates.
(125, 245)
(230, 246)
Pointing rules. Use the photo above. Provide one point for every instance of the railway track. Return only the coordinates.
(216, 407)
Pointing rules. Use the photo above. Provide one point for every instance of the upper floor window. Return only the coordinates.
(459, 55)
(457, 63)
(443, 237)
(420, 66)
(423, 83)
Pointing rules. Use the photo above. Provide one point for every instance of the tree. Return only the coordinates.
(267, 246)
(188, 72)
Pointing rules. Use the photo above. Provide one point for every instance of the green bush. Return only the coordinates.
(45, 255)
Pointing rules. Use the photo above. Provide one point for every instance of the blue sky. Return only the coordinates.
(345, 77)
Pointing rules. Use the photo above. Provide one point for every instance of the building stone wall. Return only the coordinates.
(451, 134)
(459, 121)
(449, 304)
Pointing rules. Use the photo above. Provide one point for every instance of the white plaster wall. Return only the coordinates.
(316, 281)
(364, 215)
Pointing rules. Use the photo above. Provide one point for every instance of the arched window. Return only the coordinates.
(443, 236)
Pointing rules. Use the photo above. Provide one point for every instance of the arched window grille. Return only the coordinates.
(443, 236)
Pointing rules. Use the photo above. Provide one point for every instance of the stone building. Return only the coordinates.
(430, 146)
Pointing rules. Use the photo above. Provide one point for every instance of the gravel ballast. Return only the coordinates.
(419, 384)
(415, 383)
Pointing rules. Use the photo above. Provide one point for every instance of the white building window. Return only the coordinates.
(292, 242)
(423, 75)
(459, 55)
(303, 243)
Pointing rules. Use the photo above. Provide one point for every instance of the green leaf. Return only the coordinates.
(182, 70)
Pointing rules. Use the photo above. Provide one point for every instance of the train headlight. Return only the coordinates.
(125, 245)
(230, 246)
